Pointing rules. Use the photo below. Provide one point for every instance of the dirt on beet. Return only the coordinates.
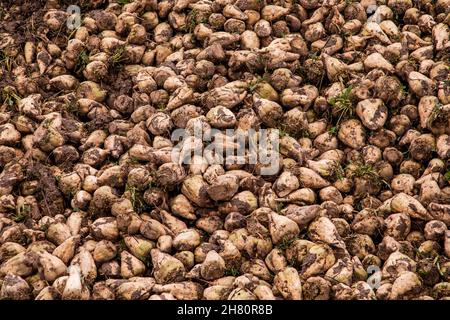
(225, 149)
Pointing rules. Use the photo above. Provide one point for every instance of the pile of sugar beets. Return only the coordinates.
(93, 205)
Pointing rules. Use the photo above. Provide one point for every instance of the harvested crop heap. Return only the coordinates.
(93, 206)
